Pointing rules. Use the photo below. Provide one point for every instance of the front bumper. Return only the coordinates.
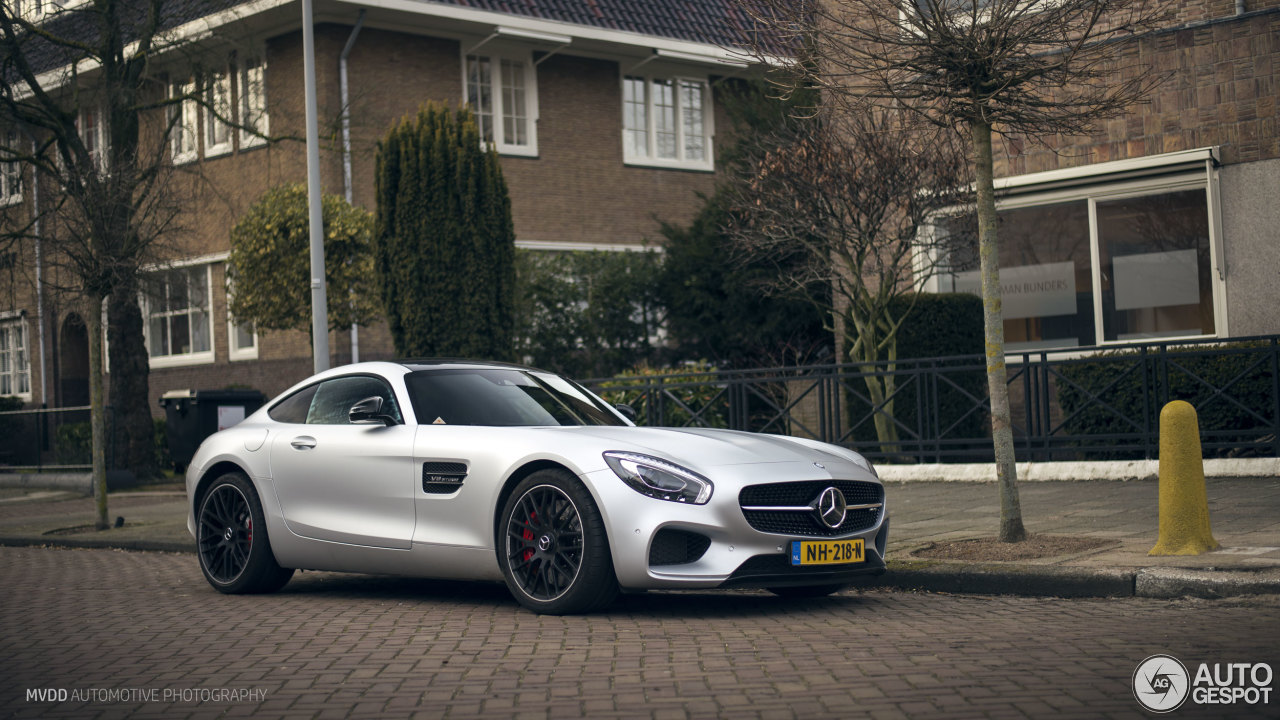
(736, 554)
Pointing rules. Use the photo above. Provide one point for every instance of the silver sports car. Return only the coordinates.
(486, 471)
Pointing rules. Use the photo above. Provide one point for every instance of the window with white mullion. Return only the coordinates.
(177, 306)
(217, 132)
(11, 172)
(635, 109)
(15, 371)
(501, 92)
(665, 121)
(253, 102)
(183, 136)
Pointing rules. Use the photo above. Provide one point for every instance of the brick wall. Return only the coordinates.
(1220, 89)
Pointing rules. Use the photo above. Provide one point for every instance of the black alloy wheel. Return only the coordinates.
(553, 550)
(231, 539)
(226, 533)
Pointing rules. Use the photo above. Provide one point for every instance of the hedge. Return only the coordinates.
(1230, 417)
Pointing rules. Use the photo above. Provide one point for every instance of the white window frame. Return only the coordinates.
(187, 125)
(1105, 189)
(11, 174)
(218, 82)
(495, 57)
(18, 356)
(202, 357)
(707, 163)
(252, 105)
(234, 351)
(98, 153)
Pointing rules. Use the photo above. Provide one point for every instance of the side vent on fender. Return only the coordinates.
(442, 478)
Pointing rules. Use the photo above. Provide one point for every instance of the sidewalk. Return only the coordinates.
(1244, 512)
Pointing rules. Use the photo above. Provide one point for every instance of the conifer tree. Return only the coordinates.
(444, 244)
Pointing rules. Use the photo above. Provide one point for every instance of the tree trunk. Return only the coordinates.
(134, 436)
(1011, 529)
(97, 410)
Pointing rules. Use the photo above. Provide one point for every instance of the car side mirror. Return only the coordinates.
(369, 412)
(627, 411)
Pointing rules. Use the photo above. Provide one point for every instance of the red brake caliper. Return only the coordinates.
(527, 534)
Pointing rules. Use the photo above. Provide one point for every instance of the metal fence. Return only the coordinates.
(1090, 404)
(48, 439)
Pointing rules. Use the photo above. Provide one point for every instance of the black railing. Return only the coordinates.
(1088, 404)
(53, 439)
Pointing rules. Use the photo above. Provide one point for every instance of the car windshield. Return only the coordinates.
(503, 397)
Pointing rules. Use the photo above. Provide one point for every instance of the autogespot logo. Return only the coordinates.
(1161, 683)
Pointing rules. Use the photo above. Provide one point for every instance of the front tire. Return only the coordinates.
(231, 539)
(553, 548)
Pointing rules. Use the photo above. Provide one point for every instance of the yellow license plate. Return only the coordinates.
(826, 552)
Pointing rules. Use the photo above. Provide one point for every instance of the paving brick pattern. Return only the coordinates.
(354, 646)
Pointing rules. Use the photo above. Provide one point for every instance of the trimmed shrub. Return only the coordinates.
(691, 399)
(941, 325)
(1233, 392)
(586, 314)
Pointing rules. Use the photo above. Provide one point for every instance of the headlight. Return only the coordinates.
(659, 479)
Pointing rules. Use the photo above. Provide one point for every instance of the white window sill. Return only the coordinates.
(185, 159)
(530, 151)
(24, 397)
(217, 151)
(701, 166)
(168, 361)
(249, 142)
(241, 355)
(11, 200)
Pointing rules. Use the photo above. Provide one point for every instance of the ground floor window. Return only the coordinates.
(1098, 265)
(176, 306)
(15, 369)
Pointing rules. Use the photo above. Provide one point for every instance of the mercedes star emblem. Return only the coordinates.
(831, 507)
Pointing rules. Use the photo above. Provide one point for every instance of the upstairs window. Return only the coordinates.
(502, 93)
(217, 133)
(11, 172)
(92, 129)
(666, 121)
(253, 102)
(183, 136)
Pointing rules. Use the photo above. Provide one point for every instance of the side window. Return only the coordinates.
(334, 398)
(294, 408)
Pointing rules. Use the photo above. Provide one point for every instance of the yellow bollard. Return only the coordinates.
(1184, 504)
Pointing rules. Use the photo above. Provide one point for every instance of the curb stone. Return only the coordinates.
(81, 543)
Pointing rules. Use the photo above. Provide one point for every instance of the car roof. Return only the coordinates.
(434, 363)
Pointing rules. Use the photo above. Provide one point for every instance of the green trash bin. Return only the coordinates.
(193, 415)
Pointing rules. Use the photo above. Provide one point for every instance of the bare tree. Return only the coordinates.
(838, 203)
(92, 116)
(1033, 67)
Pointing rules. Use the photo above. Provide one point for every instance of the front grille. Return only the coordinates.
(801, 494)
(677, 547)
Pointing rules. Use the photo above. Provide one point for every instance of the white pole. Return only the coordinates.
(319, 306)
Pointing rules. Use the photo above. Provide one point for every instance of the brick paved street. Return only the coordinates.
(335, 646)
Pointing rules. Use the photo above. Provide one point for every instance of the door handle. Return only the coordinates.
(303, 443)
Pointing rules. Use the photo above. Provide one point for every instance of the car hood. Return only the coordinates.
(711, 448)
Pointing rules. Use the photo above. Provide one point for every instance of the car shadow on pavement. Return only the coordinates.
(657, 603)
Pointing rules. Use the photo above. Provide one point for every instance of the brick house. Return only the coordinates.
(1164, 223)
(605, 117)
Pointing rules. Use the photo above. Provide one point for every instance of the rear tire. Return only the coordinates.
(552, 546)
(231, 539)
(806, 591)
